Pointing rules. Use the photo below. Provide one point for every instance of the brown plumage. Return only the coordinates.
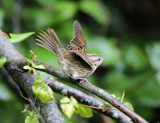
(75, 61)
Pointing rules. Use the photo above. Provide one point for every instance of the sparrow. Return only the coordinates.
(75, 61)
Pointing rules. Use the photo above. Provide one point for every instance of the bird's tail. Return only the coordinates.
(49, 40)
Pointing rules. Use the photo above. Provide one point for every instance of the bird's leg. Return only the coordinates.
(81, 80)
(69, 78)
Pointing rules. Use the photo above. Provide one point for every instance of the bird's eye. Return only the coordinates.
(99, 59)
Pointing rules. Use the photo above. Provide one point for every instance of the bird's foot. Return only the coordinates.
(82, 80)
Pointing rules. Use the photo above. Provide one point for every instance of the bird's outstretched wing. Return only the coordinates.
(78, 44)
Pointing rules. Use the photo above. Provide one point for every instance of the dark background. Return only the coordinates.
(126, 33)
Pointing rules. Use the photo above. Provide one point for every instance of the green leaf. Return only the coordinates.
(30, 69)
(28, 119)
(129, 105)
(74, 102)
(32, 117)
(65, 100)
(32, 53)
(34, 65)
(39, 80)
(15, 38)
(84, 111)
(30, 61)
(26, 67)
(113, 95)
(44, 92)
(38, 66)
(68, 106)
(2, 61)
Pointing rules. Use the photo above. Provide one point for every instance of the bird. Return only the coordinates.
(74, 61)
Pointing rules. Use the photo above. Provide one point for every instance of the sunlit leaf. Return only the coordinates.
(43, 91)
(39, 80)
(32, 117)
(65, 100)
(34, 65)
(30, 69)
(32, 52)
(30, 61)
(26, 67)
(15, 38)
(2, 61)
(68, 106)
(113, 95)
(84, 111)
(28, 119)
(129, 105)
(38, 66)
(74, 102)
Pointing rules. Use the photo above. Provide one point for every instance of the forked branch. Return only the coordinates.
(94, 90)
(24, 80)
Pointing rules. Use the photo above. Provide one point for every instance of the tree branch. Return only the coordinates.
(16, 90)
(24, 80)
(95, 90)
(13, 67)
(86, 99)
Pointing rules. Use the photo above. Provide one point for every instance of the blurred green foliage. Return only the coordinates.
(126, 33)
